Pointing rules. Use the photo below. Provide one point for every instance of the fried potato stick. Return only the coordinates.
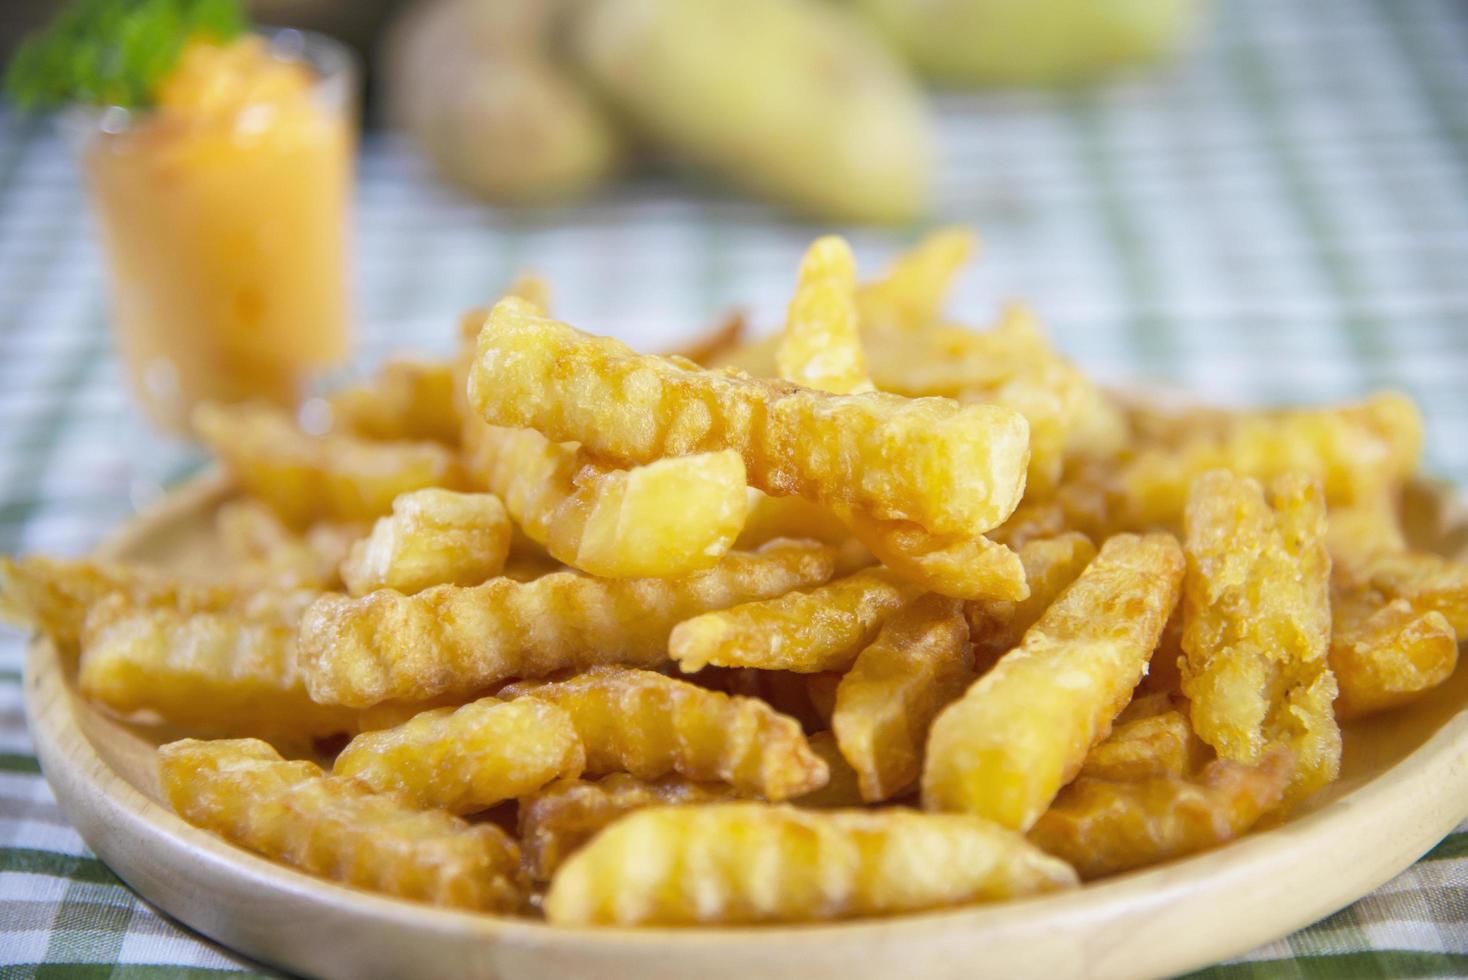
(821, 347)
(217, 672)
(996, 626)
(911, 293)
(843, 788)
(746, 863)
(260, 550)
(467, 758)
(460, 640)
(1102, 827)
(409, 399)
(666, 518)
(1022, 730)
(649, 725)
(1256, 624)
(1161, 744)
(951, 469)
(963, 566)
(806, 632)
(917, 665)
(335, 827)
(1385, 653)
(306, 478)
(558, 820)
(433, 537)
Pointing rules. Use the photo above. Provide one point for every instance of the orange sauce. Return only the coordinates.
(223, 213)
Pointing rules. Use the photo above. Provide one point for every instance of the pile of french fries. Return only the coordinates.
(877, 615)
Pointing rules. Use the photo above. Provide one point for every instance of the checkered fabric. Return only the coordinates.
(1283, 216)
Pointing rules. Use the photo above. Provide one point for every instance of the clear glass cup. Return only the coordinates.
(224, 218)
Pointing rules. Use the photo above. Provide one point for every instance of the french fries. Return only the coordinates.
(433, 537)
(335, 827)
(1101, 827)
(1005, 748)
(306, 478)
(467, 758)
(919, 662)
(734, 863)
(950, 468)
(821, 345)
(262, 551)
(1050, 564)
(1161, 744)
(1256, 624)
(666, 518)
(410, 399)
(807, 632)
(1385, 653)
(912, 291)
(641, 722)
(449, 639)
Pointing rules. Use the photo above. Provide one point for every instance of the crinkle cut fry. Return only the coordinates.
(452, 639)
(555, 822)
(433, 537)
(807, 632)
(1102, 827)
(306, 478)
(1050, 565)
(335, 827)
(963, 566)
(1023, 729)
(1385, 653)
(665, 518)
(1256, 624)
(919, 662)
(410, 398)
(733, 863)
(951, 469)
(467, 758)
(911, 293)
(218, 672)
(642, 722)
(821, 345)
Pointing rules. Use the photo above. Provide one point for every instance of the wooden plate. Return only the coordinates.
(1404, 786)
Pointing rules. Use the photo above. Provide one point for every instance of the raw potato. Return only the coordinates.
(747, 863)
(668, 517)
(449, 639)
(433, 537)
(468, 758)
(1102, 827)
(410, 399)
(807, 632)
(216, 672)
(1256, 624)
(476, 84)
(306, 478)
(1023, 730)
(335, 827)
(791, 99)
(821, 345)
(1031, 42)
(641, 722)
(951, 469)
(558, 820)
(918, 664)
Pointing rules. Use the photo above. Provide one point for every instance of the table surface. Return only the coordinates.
(1281, 217)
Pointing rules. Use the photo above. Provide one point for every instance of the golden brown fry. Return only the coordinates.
(432, 537)
(821, 689)
(558, 820)
(1358, 532)
(963, 566)
(467, 758)
(821, 346)
(335, 827)
(789, 517)
(666, 518)
(216, 672)
(1428, 582)
(1022, 730)
(1256, 624)
(259, 549)
(1086, 500)
(951, 469)
(1356, 452)
(1050, 565)
(843, 788)
(912, 292)
(1385, 653)
(410, 399)
(807, 632)
(649, 725)
(307, 478)
(711, 345)
(1161, 744)
(732, 863)
(453, 639)
(1101, 827)
(918, 664)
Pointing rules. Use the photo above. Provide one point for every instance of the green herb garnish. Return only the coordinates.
(113, 52)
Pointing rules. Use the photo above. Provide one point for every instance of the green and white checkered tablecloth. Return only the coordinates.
(1284, 216)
